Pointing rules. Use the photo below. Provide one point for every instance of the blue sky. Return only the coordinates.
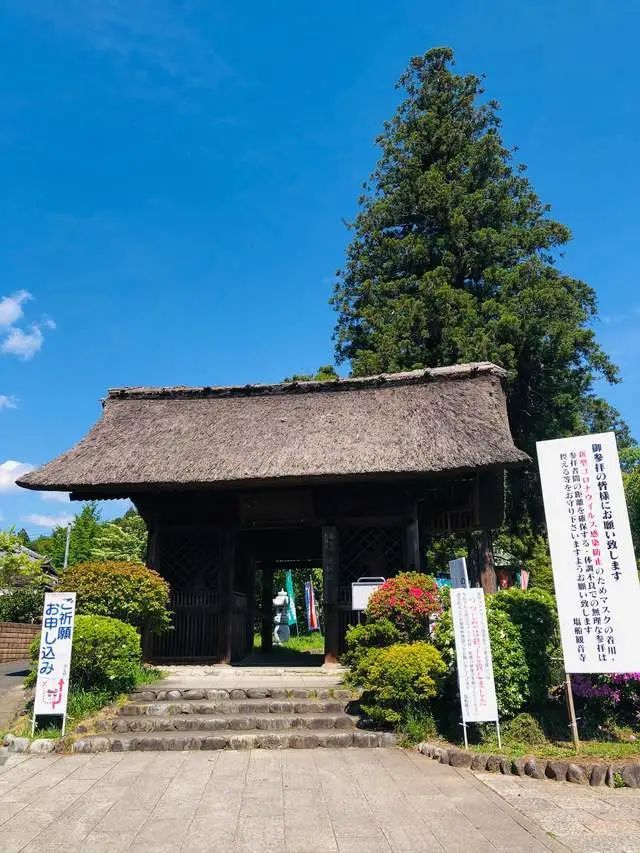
(175, 176)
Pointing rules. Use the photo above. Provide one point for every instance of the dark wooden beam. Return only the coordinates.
(331, 571)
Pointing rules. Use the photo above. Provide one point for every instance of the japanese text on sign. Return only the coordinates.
(594, 568)
(54, 662)
(473, 655)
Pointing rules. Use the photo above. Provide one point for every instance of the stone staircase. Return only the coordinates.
(157, 718)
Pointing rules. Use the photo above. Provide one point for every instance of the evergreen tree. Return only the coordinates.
(453, 260)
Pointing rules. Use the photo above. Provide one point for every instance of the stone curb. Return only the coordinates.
(38, 746)
(534, 767)
(163, 694)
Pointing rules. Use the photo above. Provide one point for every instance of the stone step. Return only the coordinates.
(239, 722)
(254, 739)
(158, 693)
(231, 706)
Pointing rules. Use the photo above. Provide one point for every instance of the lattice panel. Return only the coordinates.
(190, 559)
(369, 551)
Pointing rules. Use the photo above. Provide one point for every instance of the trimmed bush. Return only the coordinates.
(130, 592)
(399, 681)
(510, 669)
(106, 655)
(533, 612)
(360, 639)
(24, 605)
(525, 729)
(409, 602)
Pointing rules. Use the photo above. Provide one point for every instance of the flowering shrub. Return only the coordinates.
(408, 601)
(617, 695)
(127, 591)
(399, 680)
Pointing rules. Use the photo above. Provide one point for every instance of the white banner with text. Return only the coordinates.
(594, 567)
(473, 655)
(54, 662)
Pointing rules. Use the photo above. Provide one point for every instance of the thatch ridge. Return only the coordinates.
(419, 423)
(409, 377)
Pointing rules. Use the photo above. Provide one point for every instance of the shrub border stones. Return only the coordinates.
(534, 767)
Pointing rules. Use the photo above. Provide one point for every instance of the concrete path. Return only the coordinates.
(11, 690)
(588, 820)
(293, 801)
(228, 677)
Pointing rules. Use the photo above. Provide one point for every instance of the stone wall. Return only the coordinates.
(15, 640)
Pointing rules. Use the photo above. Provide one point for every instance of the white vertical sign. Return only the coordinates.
(473, 654)
(458, 573)
(594, 567)
(54, 661)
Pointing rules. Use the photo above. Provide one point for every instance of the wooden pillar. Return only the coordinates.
(227, 566)
(267, 607)
(152, 560)
(412, 540)
(488, 577)
(331, 572)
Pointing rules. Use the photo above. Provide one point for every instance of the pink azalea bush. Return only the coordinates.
(408, 601)
(618, 694)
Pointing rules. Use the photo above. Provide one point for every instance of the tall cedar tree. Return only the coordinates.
(453, 261)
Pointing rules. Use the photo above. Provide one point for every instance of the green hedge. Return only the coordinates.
(106, 655)
(130, 592)
(399, 680)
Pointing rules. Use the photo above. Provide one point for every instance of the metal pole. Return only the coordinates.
(498, 733)
(464, 734)
(573, 722)
(66, 546)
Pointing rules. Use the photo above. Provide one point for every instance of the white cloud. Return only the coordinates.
(48, 521)
(9, 473)
(55, 497)
(23, 344)
(11, 307)
(7, 401)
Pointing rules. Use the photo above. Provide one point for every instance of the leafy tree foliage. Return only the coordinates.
(453, 260)
(630, 464)
(325, 373)
(124, 539)
(17, 568)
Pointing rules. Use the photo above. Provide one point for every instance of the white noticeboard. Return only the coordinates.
(594, 568)
(54, 661)
(473, 654)
(458, 573)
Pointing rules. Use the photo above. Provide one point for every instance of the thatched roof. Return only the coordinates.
(403, 424)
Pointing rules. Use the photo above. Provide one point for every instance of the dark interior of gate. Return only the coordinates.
(211, 547)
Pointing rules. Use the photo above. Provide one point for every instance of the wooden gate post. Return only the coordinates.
(227, 567)
(267, 607)
(331, 575)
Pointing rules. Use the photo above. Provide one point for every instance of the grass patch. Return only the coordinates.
(311, 642)
(82, 706)
(589, 749)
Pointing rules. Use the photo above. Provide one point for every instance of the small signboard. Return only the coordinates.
(54, 661)
(594, 568)
(362, 590)
(458, 573)
(473, 655)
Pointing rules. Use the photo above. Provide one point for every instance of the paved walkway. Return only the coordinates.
(588, 820)
(293, 801)
(11, 690)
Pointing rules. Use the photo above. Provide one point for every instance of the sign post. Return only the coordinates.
(54, 660)
(458, 573)
(594, 568)
(473, 654)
